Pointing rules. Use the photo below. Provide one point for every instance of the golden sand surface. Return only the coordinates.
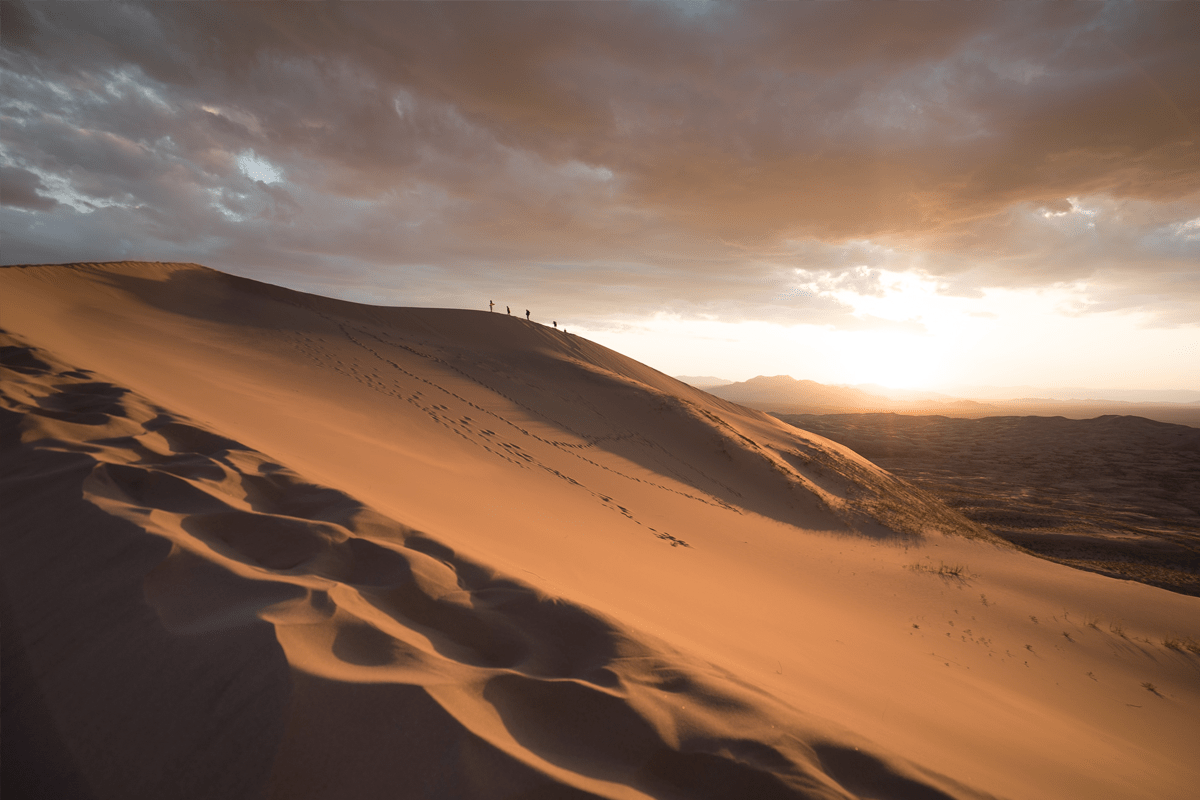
(258, 543)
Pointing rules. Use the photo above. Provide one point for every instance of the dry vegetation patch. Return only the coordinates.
(1181, 644)
(952, 571)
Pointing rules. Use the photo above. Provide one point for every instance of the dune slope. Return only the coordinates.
(280, 545)
(289, 638)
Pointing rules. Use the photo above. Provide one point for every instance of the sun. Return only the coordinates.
(914, 330)
(887, 358)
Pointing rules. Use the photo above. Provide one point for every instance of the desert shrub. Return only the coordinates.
(957, 571)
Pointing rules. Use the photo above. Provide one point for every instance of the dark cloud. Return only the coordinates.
(20, 188)
(617, 156)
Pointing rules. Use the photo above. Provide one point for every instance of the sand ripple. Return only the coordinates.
(197, 620)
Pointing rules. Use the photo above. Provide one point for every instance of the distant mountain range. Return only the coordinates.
(1078, 393)
(785, 394)
(702, 381)
(789, 386)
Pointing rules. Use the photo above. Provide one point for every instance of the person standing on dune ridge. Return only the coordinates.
(491, 306)
(508, 310)
(527, 314)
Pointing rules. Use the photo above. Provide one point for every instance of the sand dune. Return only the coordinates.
(387, 638)
(279, 545)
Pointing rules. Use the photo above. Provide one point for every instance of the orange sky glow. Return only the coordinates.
(911, 195)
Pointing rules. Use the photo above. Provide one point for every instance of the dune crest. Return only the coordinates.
(282, 545)
(368, 625)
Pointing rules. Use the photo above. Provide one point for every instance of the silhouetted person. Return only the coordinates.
(556, 323)
(527, 314)
(491, 306)
(508, 311)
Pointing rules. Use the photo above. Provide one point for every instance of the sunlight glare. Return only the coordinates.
(895, 360)
(912, 337)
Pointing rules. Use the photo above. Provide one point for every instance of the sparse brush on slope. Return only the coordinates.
(955, 571)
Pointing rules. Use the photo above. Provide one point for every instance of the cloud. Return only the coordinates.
(22, 189)
(622, 158)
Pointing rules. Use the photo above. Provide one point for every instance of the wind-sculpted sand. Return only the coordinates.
(263, 544)
(302, 615)
(1118, 495)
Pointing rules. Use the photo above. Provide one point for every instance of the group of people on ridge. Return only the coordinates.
(508, 310)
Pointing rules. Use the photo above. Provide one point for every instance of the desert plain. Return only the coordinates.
(259, 543)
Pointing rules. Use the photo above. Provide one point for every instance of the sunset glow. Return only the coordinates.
(616, 400)
(914, 194)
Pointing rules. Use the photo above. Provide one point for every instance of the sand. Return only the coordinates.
(264, 544)
(1116, 494)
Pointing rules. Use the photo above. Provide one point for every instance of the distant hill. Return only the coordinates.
(702, 381)
(783, 394)
(910, 395)
(1077, 394)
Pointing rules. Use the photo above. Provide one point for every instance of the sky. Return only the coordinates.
(915, 195)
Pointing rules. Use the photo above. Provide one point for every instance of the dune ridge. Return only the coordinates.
(592, 404)
(280, 545)
(493, 675)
